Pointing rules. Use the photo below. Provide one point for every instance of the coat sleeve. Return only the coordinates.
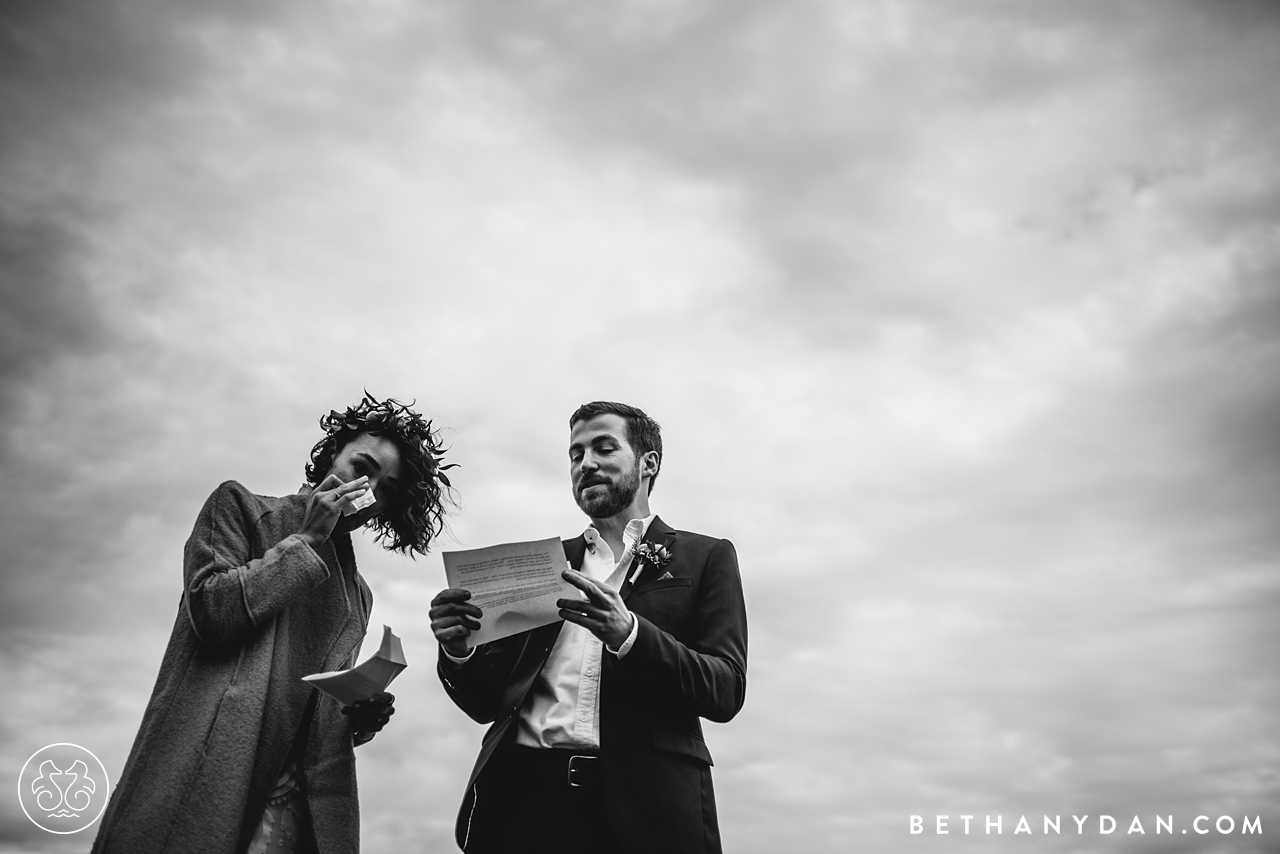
(708, 675)
(479, 685)
(227, 591)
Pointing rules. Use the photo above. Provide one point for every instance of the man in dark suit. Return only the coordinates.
(596, 743)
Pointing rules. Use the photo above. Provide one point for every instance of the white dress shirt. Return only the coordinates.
(562, 709)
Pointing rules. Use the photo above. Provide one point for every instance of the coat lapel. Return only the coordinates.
(659, 534)
(574, 550)
(539, 641)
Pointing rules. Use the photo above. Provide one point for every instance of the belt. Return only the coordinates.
(554, 765)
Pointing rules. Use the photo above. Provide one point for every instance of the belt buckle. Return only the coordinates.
(581, 770)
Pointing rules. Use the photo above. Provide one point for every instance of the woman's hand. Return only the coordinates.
(324, 508)
(371, 715)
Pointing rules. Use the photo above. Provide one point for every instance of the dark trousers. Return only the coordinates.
(524, 803)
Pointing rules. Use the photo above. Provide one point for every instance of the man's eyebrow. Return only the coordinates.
(595, 440)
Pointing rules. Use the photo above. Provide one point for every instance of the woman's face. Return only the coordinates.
(377, 458)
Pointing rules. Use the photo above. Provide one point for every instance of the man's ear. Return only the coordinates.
(649, 464)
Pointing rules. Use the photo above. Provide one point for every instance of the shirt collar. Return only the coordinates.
(631, 535)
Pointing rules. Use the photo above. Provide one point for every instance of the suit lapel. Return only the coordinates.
(659, 534)
(538, 642)
(574, 550)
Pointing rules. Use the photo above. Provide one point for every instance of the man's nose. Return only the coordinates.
(589, 462)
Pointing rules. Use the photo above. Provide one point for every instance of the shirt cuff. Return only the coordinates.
(629, 642)
(457, 660)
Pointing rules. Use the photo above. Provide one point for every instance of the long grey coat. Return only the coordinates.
(260, 609)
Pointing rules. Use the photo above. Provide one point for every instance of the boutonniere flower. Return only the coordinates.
(657, 556)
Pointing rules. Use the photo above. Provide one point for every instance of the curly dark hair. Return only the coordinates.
(409, 527)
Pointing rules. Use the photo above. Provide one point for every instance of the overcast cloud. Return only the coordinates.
(960, 320)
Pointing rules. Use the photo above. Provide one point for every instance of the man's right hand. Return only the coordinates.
(452, 620)
(324, 507)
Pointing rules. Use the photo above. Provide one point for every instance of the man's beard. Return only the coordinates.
(615, 498)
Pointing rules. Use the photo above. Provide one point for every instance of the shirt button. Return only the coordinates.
(591, 671)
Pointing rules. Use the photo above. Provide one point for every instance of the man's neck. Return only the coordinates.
(612, 527)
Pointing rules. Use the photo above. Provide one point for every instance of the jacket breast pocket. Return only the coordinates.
(668, 603)
(663, 584)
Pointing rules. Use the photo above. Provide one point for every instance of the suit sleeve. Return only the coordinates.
(479, 685)
(708, 675)
(228, 593)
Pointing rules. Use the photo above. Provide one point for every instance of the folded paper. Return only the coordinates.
(362, 682)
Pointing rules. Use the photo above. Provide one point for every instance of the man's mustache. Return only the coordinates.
(595, 481)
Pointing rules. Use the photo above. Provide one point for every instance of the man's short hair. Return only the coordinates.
(419, 517)
(643, 433)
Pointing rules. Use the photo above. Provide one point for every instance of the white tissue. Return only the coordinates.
(361, 501)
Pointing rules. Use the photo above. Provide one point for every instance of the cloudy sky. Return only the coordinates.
(960, 319)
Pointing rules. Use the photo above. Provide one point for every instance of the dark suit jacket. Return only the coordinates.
(689, 661)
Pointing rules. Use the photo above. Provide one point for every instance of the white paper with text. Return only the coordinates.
(515, 584)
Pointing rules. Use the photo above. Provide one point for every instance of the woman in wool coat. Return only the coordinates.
(235, 753)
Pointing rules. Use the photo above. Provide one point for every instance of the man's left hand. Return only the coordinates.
(603, 613)
(371, 715)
